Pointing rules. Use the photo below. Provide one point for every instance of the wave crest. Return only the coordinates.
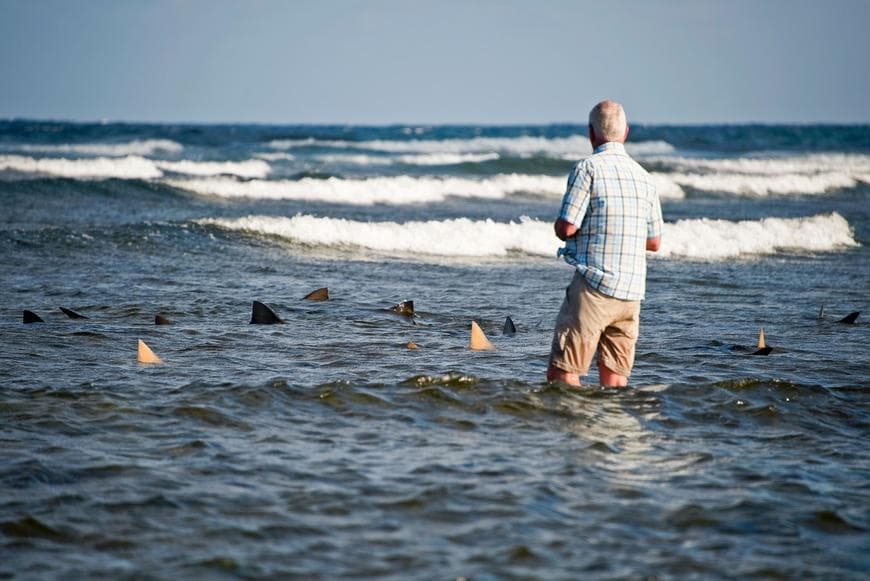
(572, 147)
(130, 167)
(701, 239)
(142, 147)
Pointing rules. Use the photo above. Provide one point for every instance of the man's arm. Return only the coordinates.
(653, 244)
(574, 202)
(564, 229)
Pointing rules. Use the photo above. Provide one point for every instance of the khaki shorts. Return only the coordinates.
(590, 320)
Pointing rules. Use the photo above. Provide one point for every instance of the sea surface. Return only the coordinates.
(325, 448)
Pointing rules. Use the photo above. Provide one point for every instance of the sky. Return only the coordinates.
(440, 61)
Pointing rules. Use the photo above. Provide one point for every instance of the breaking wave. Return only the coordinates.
(130, 167)
(766, 185)
(397, 190)
(428, 159)
(142, 147)
(701, 239)
(572, 147)
(754, 176)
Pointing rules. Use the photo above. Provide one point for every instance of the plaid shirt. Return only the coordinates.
(614, 204)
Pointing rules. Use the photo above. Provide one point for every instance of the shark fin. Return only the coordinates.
(509, 327)
(161, 320)
(850, 318)
(762, 347)
(321, 294)
(478, 341)
(146, 355)
(263, 315)
(72, 314)
(31, 317)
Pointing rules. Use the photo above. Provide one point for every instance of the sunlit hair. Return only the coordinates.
(607, 118)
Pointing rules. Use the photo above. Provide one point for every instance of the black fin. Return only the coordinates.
(405, 308)
(321, 294)
(509, 327)
(31, 317)
(72, 314)
(821, 312)
(850, 318)
(161, 320)
(764, 351)
(263, 315)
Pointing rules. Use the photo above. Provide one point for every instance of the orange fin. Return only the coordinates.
(146, 355)
(761, 343)
(321, 294)
(479, 342)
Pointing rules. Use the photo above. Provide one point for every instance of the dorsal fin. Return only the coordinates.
(146, 355)
(72, 314)
(762, 348)
(31, 317)
(509, 327)
(405, 308)
(850, 318)
(821, 312)
(263, 315)
(478, 341)
(161, 320)
(321, 294)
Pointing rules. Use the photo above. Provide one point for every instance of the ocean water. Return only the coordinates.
(325, 448)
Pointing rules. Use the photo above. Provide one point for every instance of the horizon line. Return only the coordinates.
(107, 121)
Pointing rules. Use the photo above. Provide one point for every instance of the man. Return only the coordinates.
(610, 217)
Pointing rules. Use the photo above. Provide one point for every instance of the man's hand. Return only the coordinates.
(564, 229)
(653, 244)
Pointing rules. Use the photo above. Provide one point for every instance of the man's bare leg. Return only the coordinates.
(556, 374)
(610, 378)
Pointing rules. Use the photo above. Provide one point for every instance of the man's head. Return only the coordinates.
(607, 123)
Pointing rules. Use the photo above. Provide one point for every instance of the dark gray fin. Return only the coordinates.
(161, 320)
(321, 294)
(263, 315)
(509, 327)
(31, 317)
(764, 351)
(821, 312)
(405, 308)
(850, 318)
(72, 314)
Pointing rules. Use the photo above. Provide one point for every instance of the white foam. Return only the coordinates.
(461, 237)
(764, 185)
(130, 167)
(769, 166)
(277, 156)
(396, 190)
(428, 159)
(141, 147)
(252, 168)
(707, 239)
(701, 239)
(572, 147)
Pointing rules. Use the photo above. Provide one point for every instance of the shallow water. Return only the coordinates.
(325, 448)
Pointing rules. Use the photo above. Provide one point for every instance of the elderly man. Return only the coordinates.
(610, 217)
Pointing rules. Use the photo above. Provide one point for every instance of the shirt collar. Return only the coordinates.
(613, 146)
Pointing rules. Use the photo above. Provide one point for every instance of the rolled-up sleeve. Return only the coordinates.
(654, 222)
(576, 199)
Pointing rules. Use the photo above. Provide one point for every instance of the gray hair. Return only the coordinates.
(607, 118)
